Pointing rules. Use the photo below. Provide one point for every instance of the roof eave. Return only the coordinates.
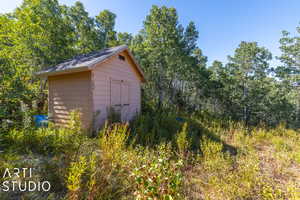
(67, 71)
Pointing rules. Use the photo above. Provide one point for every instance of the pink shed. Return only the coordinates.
(93, 84)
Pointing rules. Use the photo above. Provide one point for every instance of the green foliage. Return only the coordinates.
(159, 177)
(37, 35)
(50, 140)
(210, 149)
(92, 171)
(174, 73)
(34, 40)
(150, 173)
(124, 38)
(182, 140)
(106, 23)
(289, 71)
(27, 120)
(158, 130)
(249, 174)
(74, 177)
(7, 161)
(290, 48)
(74, 124)
(245, 91)
(84, 37)
(116, 166)
(112, 140)
(43, 33)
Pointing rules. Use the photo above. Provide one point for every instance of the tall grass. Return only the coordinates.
(164, 155)
(49, 140)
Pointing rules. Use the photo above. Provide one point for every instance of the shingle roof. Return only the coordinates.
(84, 61)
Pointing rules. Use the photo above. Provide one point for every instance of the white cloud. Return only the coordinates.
(9, 5)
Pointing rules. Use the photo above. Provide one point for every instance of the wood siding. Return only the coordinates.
(103, 75)
(69, 92)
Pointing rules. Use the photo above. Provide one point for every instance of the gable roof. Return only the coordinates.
(86, 62)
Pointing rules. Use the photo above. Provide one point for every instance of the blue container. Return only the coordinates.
(40, 120)
(179, 119)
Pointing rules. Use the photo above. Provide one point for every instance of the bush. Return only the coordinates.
(150, 129)
(182, 140)
(122, 170)
(50, 140)
(74, 178)
(112, 140)
(158, 176)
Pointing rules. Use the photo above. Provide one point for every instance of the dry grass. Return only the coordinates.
(200, 158)
(265, 167)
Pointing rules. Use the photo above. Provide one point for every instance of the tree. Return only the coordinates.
(124, 38)
(290, 48)
(217, 82)
(168, 54)
(41, 33)
(34, 37)
(289, 72)
(244, 82)
(85, 36)
(106, 24)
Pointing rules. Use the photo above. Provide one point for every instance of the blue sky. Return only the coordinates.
(222, 24)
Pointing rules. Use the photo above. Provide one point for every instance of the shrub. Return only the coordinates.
(7, 160)
(182, 140)
(210, 149)
(92, 178)
(155, 174)
(74, 178)
(50, 140)
(122, 170)
(150, 129)
(112, 140)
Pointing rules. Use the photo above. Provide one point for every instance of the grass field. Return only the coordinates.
(198, 157)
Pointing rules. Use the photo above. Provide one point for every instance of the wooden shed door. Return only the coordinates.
(125, 101)
(120, 98)
(115, 95)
